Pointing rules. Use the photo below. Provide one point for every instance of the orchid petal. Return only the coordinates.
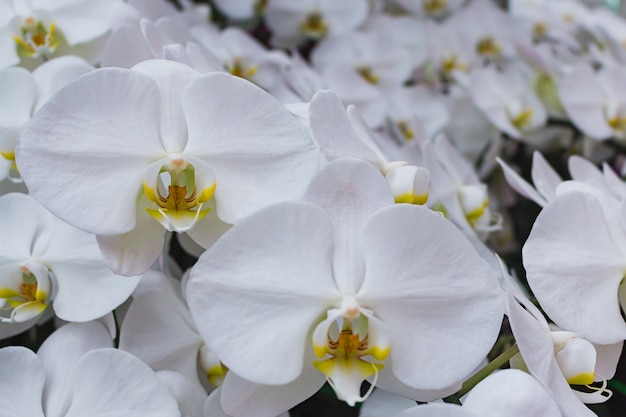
(113, 382)
(260, 153)
(437, 410)
(575, 272)
(172, 78)
(60, 353)
(511, 393)
(22, 222)
(607, 360)
(54, 74)
(242, 398)
(350, 191)
(414, 261)
(18, 93)
(520, 185)
(94, 158)
(332, 131)
(188, 394)
(544, 177)
(273, 275)
(23, 379)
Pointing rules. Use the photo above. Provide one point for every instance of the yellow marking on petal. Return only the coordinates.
(488, 47)
(9, 293)
(522, 119)
(406, 130)
(314, 25)
(476, 214)
(216, 374)
(206, 194)
(149, 192)
(581, 379)
(9, 156)
(319, 350)
(380, 353)
(435, 7)
(569, 18)
(368, 75)
(260, 6)
(409, 198)
(540, 30)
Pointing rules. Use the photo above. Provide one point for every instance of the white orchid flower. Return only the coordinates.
(22, 93)
(508, 101)
(157, 148)
(34, 31)
(593, 101)
(77, 373)
(44, 261)
(346, 283)
(292, 23)
(436, 9)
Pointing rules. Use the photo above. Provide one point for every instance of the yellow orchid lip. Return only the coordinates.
(348, 354)
(314, 25)
(29, 298)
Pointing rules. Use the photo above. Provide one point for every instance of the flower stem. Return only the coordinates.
(487, 370)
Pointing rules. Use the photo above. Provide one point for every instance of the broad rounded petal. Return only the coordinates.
(126, 48)
(135, 251)
(172, 79)
(241, 398)
(18, 93)
(54, 74)
(188, 394)
(575, 267)
(273, 275)
(98, 149)
(425, 281)
(511, 393)
(110, 382)
(59, 355)
(159, 330)
(350, 191)
(87, 288)
(584, 102)
(82, 21)
(21, 222)
(260, 153)
(332, 131)
(22, 379)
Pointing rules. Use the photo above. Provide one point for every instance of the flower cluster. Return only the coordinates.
(339, 173)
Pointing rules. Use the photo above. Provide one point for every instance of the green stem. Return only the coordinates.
(487, 370)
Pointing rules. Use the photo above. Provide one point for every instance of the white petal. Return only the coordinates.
(332, 131)
(54, 74)
(22, 379)
(18, 93)
(273, 274)
(414, 261)
(544, 176)
(158, 329)
(135, 251)
(607, 360)
(113, 382)
(22, 221)
(260, 153)
(59, 355)
(188, 394)
(350, 191)
(511, 393)
(437, 410)
(172, 79)
(241, 398)
(97, 149)
(521, 185)
(574, 267)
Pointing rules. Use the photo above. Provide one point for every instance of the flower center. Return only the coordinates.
(435, 7)
(488, 47)
(351, 343)
(178, 196)
(24, 293)
(368, 75)
(238, 69)
(36, 40)
(314, 25)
